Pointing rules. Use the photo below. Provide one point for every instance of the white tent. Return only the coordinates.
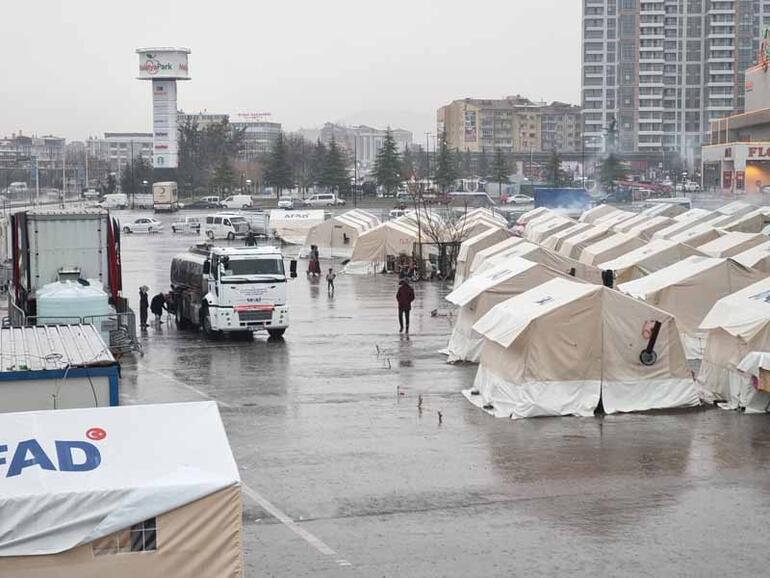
(489, 252)
(541, 220)
(689, 289)
(685, 221)
(625, 225)
(698, 215)
(538, 254)
(542, 230)
(758, 257)
(293, 226)
(470, 248)
(648, 258)
(596, 213)
(337, 236)
(754, 396)
(647, 228)
(533, 214)
(553, 242)
(735, 209)
(82, 489)
(731, 244)
(752, 222)
(559, 348)
(697, 235)
(614, 219)
(574, 246)
(390, 239)
(670, 210)
(481, 292)
(737, 325)
(609, 248)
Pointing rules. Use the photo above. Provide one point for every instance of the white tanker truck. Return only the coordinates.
(230, 289)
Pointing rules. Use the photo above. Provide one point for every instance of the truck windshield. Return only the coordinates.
(254, 267)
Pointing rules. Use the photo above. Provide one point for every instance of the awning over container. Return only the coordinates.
(609, 248)
(758, 257)
(651, 257)
(70, 477)
(481, 292)
(337, 236)
(560, 347)
(731, 244)
(736, 325)
(538, 254)
(573, 247)
(470, 248)
(689, 289)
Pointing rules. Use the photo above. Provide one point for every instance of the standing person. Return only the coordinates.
(330, 277)
(316, 261)
(157, 305)
(404, 296)
(144, 304)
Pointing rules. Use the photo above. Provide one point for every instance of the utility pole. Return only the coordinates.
(427, 159)
(355, 170)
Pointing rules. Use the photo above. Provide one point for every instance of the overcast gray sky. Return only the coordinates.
(69, 67)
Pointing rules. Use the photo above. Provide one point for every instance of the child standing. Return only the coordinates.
(330, 277)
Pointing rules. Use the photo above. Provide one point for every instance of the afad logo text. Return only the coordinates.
(70, 455)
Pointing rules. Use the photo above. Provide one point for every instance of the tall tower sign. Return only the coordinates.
(164, 66)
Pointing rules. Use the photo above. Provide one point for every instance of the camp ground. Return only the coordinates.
(144, 490)
(481, 292)
(651, 257)
(737, 325)
(689, 289)
(559, 348)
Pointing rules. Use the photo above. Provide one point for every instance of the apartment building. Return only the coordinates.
(512, 124)
(360, 140)
(663, 69)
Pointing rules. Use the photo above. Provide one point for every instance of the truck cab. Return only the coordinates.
(231, 289)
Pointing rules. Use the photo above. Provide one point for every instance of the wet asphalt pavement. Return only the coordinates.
(345, 477)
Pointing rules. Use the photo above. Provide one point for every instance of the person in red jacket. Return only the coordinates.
(404, 296)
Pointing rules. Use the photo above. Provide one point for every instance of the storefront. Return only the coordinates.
(737, 167)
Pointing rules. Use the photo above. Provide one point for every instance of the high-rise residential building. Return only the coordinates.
(660, 70)
(513, 124)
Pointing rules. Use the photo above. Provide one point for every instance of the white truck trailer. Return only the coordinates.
(165, 197)
(230, 289)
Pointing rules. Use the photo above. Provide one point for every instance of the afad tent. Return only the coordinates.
(126, 491)
(737, 325)
(735, 209)
(609, 248)
(336, 237)
(615, 219)
(758, 257)
(648, 258)
(293, 226)
(670, 210)
(392, 239)
(541, 220)
(542, 230)
(596, 213)
(481, 292)
(689, 289)
(538, 254)
(753, 222)
(525, 218)
(470, 248)
(553, 242)
(731, 244)
(647, 228)
(574, 246)
(561, 347)
(687, 220)
(697, 235)
(489, 252)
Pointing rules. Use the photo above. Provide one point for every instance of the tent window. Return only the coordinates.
(141, 537)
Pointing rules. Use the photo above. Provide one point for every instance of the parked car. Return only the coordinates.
(287, 203)
(236, 202)
(143, 225)
(213, 199)
(114, 201)
(519, 199)
(324, 200)
(187, 225)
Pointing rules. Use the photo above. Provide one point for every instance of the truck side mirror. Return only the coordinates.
(206, 267)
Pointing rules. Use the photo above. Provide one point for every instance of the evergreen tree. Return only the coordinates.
(387, 164)
(446, 172)
(457, 161)
(612, 169)
(483, 164)
(500, 169)
(317, 163)
(467, 171)
(223, 178)
(133, 175)
(553, 171)
(277, 172)
(408, 170)
(335, 174)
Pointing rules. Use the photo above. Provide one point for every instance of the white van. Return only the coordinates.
(225, 226)
(236, 202)
(115, 201)
(323, 200)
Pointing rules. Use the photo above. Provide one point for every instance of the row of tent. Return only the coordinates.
(552, 338)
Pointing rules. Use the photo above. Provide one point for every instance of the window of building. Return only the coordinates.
(141, 537)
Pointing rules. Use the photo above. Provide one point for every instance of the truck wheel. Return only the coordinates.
(276, 333)
(231, 236)
(208, 331)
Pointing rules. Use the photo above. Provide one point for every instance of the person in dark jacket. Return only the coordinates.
(144, 304)
(157, 305)
(404, 296)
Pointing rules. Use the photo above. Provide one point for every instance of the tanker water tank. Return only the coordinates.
(66, 302)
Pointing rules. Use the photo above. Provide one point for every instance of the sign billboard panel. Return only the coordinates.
(163, 63)
(164, 118)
